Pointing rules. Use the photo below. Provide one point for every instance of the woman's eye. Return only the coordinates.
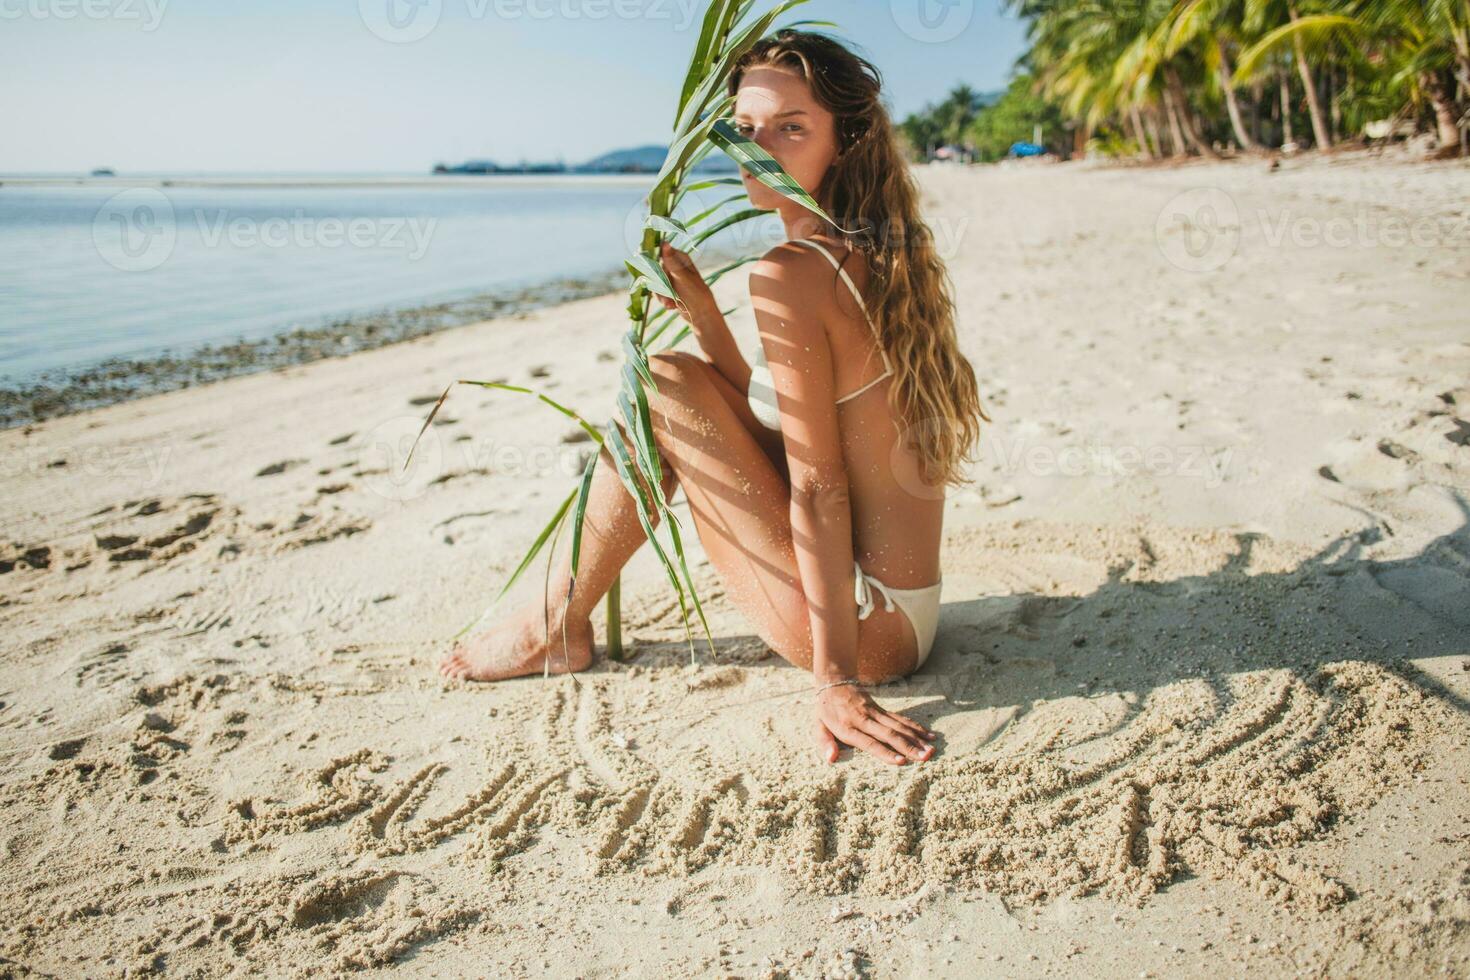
(795, 128)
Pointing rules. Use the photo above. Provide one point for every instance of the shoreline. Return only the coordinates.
(65, 391)
(309, 180)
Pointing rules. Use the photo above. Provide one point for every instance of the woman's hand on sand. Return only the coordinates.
(850, 716)
(695, 297)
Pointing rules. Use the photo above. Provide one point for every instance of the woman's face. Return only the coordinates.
(774, 106)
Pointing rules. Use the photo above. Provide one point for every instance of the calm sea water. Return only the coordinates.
(104, 269)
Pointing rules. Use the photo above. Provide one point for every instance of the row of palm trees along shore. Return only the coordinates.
(1159, 79)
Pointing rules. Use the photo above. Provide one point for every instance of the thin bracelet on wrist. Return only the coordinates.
(853, 681)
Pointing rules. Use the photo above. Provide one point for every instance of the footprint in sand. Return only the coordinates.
(275, 469)
(67, 749)
(472, 526)
(36, 557)
(105, 666)
(152, 531)
(308, 529)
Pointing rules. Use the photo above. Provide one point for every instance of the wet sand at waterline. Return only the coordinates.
(1200, 677)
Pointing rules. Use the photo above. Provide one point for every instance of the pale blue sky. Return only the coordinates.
(314, 86)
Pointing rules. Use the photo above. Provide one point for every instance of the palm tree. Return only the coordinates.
(1428, 45)
(1076, 49)
(1417, 47)
(1215, 26)
(923, 132)
(1111, 60)
(1280, 22)
(1169, 67)
(957, 112)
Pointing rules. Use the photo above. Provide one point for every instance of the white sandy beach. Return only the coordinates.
(1202, 675)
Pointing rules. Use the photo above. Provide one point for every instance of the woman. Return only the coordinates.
(817, 476)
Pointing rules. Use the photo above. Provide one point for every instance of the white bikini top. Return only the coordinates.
(762, 392)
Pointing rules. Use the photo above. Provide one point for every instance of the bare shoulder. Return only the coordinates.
(789, 277)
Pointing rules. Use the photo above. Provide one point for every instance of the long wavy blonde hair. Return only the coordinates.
(870, 189)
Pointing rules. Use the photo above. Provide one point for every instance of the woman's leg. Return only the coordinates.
(740, 502)
(741, 505)
(611, 534)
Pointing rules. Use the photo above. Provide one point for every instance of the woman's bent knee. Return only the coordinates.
(675, 362)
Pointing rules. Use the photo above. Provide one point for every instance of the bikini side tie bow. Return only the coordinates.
(863, 593)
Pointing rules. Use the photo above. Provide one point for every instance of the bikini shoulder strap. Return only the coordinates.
(841, 272)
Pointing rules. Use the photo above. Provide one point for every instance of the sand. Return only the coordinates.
(1202, 675)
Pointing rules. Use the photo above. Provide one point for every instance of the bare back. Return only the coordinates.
(897, 519)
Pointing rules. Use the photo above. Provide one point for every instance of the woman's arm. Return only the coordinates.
(800, 359)
(698, 306)
(799, 352)
(718, 343)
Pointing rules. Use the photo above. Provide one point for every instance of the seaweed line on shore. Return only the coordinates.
(67, 390)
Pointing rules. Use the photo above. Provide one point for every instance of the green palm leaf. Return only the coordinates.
(1316, 28)
(756, 161)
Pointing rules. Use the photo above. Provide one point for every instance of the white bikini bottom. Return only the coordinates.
(921, 606)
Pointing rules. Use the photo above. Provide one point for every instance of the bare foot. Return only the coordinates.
(519, 646)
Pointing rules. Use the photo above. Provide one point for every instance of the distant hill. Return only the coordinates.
(636, 160)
